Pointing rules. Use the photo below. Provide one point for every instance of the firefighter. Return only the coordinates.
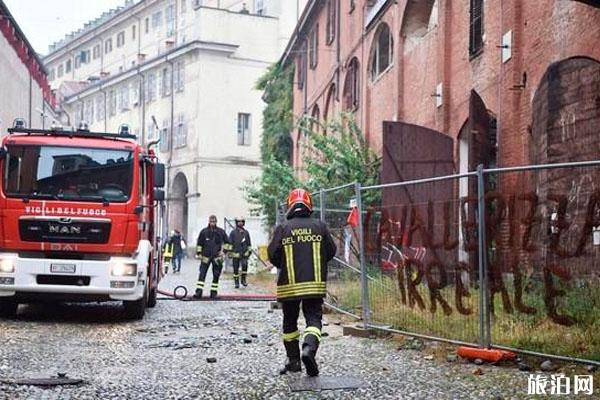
(178, 245)
(300, 249)
(168, 254)
(212, 243)
(240, 240)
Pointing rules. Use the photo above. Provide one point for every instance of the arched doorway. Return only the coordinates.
(179, 205)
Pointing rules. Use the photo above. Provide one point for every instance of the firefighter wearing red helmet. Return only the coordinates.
(300, 249)
(240, 240)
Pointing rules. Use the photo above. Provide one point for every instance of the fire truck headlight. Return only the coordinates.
(7, 266)
(122, 269)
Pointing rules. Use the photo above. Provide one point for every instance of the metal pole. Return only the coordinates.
(322, 204)
(483, 304)
(363, 265)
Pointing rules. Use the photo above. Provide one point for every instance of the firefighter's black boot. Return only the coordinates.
(292, 363)
(244, 280)
(198, 294)
(309, 353)
(236, 281)
(213, 294)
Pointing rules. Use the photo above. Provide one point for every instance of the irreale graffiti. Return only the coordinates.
(522, 230)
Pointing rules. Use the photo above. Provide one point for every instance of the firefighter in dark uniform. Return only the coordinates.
(300, 249)
(212, 242)
(240, 240)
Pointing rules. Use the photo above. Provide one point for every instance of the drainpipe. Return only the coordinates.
(30, 99)
(338, 50)
(142, 101)
(169, 166)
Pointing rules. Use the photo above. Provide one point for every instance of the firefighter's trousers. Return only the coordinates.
(217, 267)
(313, 315)
(237, 263)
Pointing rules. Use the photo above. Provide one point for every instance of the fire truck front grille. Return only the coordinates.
(63, 280)
(64, 230)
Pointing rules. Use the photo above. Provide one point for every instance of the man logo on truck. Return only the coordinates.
(71, 230)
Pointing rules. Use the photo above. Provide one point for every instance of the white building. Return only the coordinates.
(183, 71)
(23, 81)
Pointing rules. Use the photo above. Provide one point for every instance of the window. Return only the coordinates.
(79, 113)
(133, 32)
(60, 71)
(151, 87)
(77, 61)
(259, 7)
(165, 144)
(156, 20)
(51, 75)
(84, 57)
(88, 111)
(313, 47)
(243, 129)
(124, 98)
(315, 118)
(382, 52)
(180, 136)
(100, 108)
(68, 66)
(147, 25)
(301, 67)
(165, 85)
(121, 39)
(135, 93)
(331, 20)
(112, 103)
(96, 51)
(476, 28)
(179, 76)
(108, 46)
(170, 20)
(152, 132)
(351, 86)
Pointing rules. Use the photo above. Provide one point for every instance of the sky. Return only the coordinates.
(47, 21)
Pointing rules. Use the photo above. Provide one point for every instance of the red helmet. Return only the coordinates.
(299, 199)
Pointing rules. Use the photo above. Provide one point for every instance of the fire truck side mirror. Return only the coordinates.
(159, 175)
(159, 195)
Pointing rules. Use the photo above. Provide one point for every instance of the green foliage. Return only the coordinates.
(336, 153)
(270, 188)
(276, 85)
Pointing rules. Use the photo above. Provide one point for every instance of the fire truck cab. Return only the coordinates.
(79, 219)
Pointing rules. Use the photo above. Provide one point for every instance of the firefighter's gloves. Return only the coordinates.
(198, 252)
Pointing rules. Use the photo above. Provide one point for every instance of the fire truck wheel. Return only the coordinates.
(8, 308)
(152, 298)
(137, 308)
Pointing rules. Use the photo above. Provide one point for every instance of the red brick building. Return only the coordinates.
(523, 76)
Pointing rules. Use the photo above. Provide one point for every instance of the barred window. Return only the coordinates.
(151, 87)
(68, 66)
(331, 20)
(88, 111)
(301, 66)
(313, 47)
(243, 129)
(476, 27)
(156, 20)
(108, 46)
(165, 82)
(351, 86)
(135, 93)
(96, 51)
(170, 20)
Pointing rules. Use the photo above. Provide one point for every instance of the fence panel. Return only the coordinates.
(343, 278)
(421, 254)
(543, 235)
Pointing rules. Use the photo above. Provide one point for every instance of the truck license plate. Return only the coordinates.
(63, 268)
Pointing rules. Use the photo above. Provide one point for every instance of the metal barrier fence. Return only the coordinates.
(506, 258)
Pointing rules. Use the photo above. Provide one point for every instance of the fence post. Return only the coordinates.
(322, 205)
(366, 311)
(484, 315)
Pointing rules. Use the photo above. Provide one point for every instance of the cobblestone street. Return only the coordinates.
(164, 356)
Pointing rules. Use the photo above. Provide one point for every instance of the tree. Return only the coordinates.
(277, 124)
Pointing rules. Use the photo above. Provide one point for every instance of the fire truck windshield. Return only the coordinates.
(68, 173)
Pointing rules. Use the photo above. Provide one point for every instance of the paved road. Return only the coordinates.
(164, 356)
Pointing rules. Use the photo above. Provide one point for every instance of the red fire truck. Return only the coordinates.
(79, 216)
